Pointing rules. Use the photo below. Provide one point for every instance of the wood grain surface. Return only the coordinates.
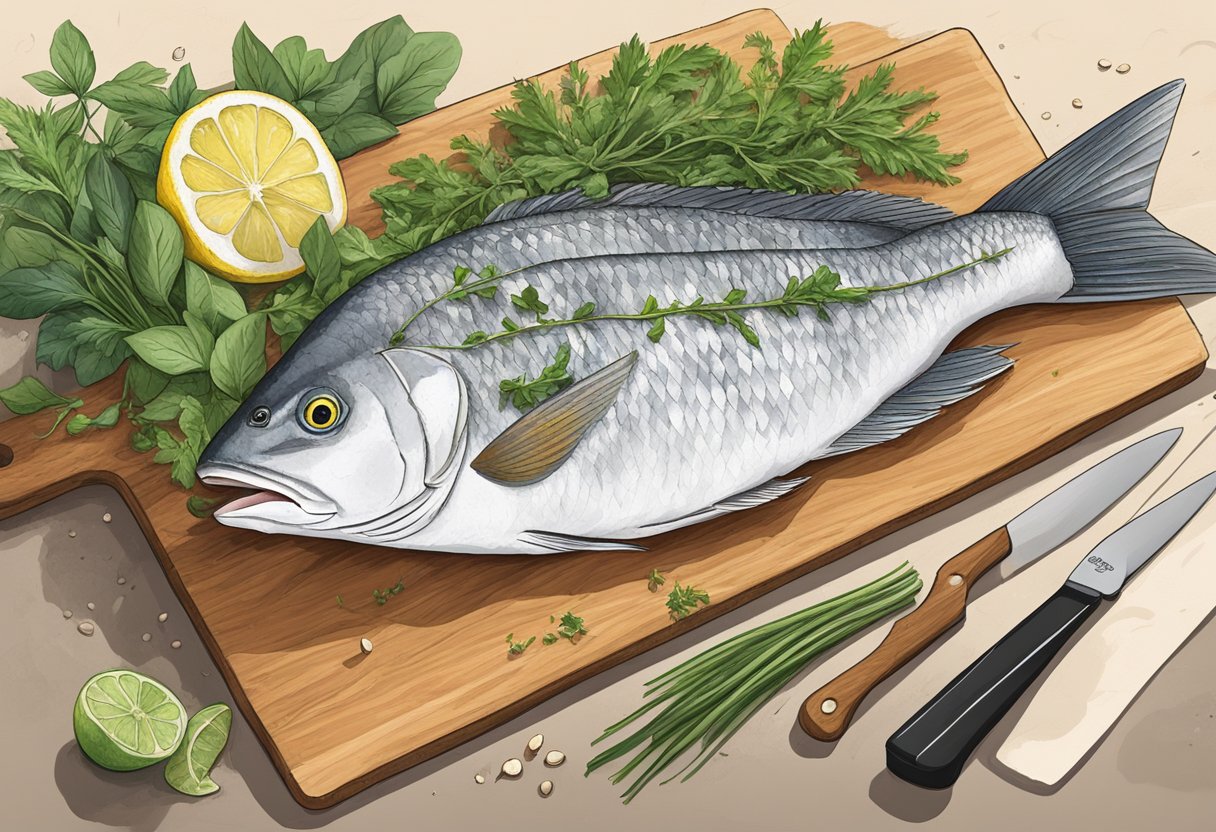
(827, 712)
(336, 721)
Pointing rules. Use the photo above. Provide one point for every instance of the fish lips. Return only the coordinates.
(272, 499)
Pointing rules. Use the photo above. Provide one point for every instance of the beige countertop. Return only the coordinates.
(1155, 767)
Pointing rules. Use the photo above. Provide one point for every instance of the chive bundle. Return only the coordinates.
(711, 695)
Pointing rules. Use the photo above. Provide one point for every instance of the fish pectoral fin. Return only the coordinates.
(766, 492)
(538, 442)
(952, 378)
(554, 542)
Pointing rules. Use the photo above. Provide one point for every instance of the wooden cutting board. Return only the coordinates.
(335, 721)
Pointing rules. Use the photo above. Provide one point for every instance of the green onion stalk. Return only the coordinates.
(709, 697)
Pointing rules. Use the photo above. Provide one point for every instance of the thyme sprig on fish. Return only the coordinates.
(525, 393)
(817, 291)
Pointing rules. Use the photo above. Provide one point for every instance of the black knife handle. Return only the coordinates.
(931, 748)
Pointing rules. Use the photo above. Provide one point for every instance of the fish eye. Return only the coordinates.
(321, 411)
(260, 417)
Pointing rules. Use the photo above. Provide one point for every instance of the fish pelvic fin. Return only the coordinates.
(1096, 191)
(952, 378)
(554, 542)
(537, 443)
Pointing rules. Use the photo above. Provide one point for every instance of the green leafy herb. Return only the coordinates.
(381, 596)
(655, 580)
(339, 600)
(515, 648)
(525, 393)
(571, 627)
(683, 600)
(201, 506)
(689, 116)
(550, 638)
(709, 697)
(79, 423)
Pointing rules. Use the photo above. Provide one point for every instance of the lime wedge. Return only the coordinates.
(125, 720)
(189, 769)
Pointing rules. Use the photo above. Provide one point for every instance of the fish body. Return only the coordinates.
(705, 423)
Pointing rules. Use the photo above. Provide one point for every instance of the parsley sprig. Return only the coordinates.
(683, 600)
(689, 116)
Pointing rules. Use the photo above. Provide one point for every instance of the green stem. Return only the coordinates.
(701, 310)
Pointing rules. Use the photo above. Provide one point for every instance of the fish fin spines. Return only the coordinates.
(537, 443)
(555, 542)
(766, 492)
(900, 212)
(952, 378)
(1112, 165)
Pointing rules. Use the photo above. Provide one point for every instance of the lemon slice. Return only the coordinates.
(245, 174)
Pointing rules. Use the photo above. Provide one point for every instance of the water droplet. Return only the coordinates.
(1077, 103)
(1123, 69)
(1046, 116)
(179, 53)
(67, 613)
(163, 617)
(175, 644)
(1103, 65)
(107, 517)
(146, 636)
(85, 628)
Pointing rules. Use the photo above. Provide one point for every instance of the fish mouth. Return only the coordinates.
(267, 499)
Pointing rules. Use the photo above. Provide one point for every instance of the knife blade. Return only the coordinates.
(932, 747)
(1047, 524)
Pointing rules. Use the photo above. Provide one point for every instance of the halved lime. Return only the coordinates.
(125, 720)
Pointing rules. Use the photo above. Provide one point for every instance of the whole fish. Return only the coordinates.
(410, 445)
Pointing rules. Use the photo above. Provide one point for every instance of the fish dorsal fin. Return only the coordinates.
(537, 443)
(952, 378)
(900, 212)
(437, 392)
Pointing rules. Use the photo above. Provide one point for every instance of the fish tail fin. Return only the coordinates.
(1096, 191)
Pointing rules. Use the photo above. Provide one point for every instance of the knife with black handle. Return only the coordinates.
(932, 747)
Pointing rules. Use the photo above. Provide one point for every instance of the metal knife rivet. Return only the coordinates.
(828, 706)
(955, 580)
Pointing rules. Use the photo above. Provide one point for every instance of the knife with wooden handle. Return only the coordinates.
(1047, 524)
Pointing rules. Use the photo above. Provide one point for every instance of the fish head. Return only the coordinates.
(372, 441)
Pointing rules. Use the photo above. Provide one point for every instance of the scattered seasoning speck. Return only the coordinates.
(163, 617)
(146, 636)
(92, 606)
(72, 533)
(1077, 103)
(122, 581)
(85, 628)
(512, 768)
(175, 644)
(107, 517)
(206, 672)
(179, 53)
(1046, 116)
(545, 788)
(1123, 69)
(365, 644)
(67, 613)
(478, 779)
(1055, 373)
(1103, 65)
(554, 759)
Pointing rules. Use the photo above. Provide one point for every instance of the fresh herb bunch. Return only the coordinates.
(690, 116)
(709, 697)
(525, 393)
(83, 242)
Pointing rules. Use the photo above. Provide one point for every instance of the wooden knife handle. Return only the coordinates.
(826, 713)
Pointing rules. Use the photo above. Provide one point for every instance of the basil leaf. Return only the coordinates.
(72, 58)
(92, 366)
(14, 175)
(201, 334)
(30, 395)
(239, 360)
(30, 248)
(306, 69)
(183, 92)
(111, 199)
(48, 83)
(213, 300)
(256, 68)
(320, 254)
(156, 252)
(144, 383)
(170, 349)
(142, 72)
(188, 769)
(356, 131)
(139, 104)
(28, 293)
(408, 83)
(56, 348)
(107, 418)
(334, 100)
(98, 334)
